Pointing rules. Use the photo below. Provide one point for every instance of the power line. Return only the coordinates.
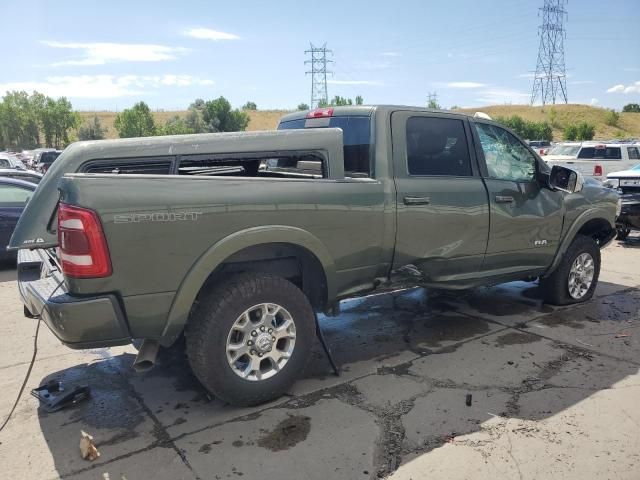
(550, 80)
(318, 61)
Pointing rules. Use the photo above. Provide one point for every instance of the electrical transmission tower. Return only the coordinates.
(432, 100)
(318, 73)
(550, 81)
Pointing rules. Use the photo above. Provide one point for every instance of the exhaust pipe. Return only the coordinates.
(146, 358)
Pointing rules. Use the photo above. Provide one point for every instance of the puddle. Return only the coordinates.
(516, 338)
(287, 433)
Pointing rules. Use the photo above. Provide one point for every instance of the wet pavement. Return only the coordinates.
(482, 384)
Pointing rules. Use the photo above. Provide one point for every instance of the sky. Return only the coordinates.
(108, 55)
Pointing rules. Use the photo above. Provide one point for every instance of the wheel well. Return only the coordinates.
(596, 228)
(295, 263)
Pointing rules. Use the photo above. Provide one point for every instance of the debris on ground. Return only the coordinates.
(54, 396)
(88, 449)
(468, 399)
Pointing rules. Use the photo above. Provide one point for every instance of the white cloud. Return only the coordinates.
(527, 75)
(594, 101)
(391, 54)
(102, 53)
(496, 96)
(209, 34)
(465, 85)
(104, 86)
(355, 82)
(631, 88)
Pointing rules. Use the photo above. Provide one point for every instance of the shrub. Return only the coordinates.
(611, 118)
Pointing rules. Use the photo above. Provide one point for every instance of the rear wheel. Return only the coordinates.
(576, 277)
(249, 339)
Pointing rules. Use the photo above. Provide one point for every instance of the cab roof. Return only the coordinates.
(367, 110)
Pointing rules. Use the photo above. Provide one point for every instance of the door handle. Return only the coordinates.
(504, 199)
(417, 200)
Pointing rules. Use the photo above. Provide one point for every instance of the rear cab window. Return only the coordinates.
(356, 132)
(600, 152)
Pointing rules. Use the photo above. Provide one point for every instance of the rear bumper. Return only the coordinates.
(78, 322)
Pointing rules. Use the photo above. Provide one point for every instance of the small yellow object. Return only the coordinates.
(88, 449)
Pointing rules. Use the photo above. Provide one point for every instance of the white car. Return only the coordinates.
(596, 159)
(627, 181)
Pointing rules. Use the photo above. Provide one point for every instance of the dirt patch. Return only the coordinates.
(287, 433)
(516, 338)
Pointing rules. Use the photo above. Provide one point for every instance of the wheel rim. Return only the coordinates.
(581, 276)
(261, 341)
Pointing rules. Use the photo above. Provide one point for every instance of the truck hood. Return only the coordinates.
(625, 174)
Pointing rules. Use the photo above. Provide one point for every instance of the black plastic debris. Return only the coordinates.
(55, 397)
(468, 400)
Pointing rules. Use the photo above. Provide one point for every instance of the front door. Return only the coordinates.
(442, 208)
(526, 219)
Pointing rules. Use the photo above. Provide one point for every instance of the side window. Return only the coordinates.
(258, 164)
(437, 146)
(634, 153)
(506, 157)
(12, 196)
(148, 167)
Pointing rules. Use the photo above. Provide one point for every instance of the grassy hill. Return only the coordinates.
(628, 126)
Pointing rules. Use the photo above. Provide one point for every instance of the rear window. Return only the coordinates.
(602, 153)
(151, 167)
(299, 164)
(48, 157)
(356, 133)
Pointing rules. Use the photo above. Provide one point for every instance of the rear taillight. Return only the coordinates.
(83, 250)
(597, 170)
(320, 113)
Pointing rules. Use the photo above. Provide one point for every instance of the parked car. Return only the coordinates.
(627, 182)
(540, 146)
(26, 175)
(14, 195)
(44, 157)
(225, 242)
(599, 159)
(9, 160)
(563, 151)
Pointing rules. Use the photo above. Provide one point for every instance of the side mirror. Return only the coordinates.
(565, 179)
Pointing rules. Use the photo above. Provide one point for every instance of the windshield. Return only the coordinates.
(571, 150)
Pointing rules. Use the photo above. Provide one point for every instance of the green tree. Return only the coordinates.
(359, 100)
(194, 118)
(250, 106)
(527, 129)
(586, 131)
(20, 119)
(92, 130)
(175, 125)
(433, 104)
(58, 118)
(571, 132)
(218, 116)
(135, 122)
(631, 107)
(303, 106)
(612, 118)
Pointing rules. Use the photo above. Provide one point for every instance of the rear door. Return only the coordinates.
(526, 219)
(442, 209)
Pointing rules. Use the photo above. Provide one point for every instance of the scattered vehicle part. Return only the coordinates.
(88, 449)
(54, 396)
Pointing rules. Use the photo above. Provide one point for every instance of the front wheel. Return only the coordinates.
(576, 277)
(250, 337)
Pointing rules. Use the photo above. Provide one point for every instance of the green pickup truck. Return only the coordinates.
(236, 240)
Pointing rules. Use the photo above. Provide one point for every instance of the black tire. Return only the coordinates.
(555, 288)
(210, 323)
(623, 233)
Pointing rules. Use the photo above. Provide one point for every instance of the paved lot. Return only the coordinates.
(555, 394)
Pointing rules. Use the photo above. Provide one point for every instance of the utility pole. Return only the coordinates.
(318, 73)
(432, 100)
(550, 80)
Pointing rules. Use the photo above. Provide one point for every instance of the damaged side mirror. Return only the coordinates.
(565, 179)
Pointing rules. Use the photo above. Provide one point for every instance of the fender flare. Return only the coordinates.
(225, 248)
(572, 231)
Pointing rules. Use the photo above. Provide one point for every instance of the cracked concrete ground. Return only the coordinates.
(554, 394)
